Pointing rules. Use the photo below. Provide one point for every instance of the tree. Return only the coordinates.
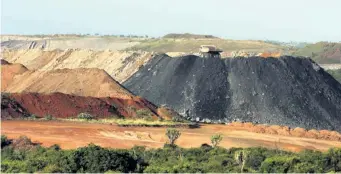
(172, 135)
(241, 157)
(334, 158)
(216, 139)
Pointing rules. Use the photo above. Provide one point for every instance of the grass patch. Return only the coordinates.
(336, 74)
(49, 117)
(134, 122)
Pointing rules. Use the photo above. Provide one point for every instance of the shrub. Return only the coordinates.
(117, 116)
(48, 117)
(23, 142)
(172, 135)
(95, 159)
(85, 116)
(145, 114)
(14, 166)
(278, 164)
(55, 147)
(177, 119)
(216, 139)
(4, 141)
(32, 117)
(52, 169)
(334, 159)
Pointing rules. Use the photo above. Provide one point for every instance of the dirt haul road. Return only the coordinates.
(71, 135)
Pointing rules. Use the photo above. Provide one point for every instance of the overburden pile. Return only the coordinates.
(289, 91)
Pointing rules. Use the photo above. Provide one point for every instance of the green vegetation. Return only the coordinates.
(133, 122)
(49, 117)
(336, 74)
(33, 117)
(85, 116)
(27, 157)
(144, 114)
(241, 157)
(216, 139)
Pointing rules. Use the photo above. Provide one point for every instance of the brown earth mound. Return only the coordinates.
(83, 82)
(286, 131)
(65, 106)
(8, 71)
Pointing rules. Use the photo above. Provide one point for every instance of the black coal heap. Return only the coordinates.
(287, 91)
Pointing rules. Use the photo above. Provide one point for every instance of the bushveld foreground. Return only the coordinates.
(21, 155)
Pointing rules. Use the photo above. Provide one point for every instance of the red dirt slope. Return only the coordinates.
(11, 109)
(62, 105)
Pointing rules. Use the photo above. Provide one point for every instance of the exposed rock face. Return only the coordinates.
(283, 91)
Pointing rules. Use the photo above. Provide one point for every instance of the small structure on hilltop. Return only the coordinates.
(208, 51)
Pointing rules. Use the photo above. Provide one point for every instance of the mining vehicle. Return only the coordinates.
(210, 51)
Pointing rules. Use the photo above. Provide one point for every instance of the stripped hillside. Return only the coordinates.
(288, 91)
(118, 64)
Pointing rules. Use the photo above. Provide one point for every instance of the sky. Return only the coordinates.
(281, 20)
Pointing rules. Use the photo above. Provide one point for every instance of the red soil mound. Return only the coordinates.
(46, 93)
(267, 54)
(11, 109)
(8, 71)
(63, 105)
